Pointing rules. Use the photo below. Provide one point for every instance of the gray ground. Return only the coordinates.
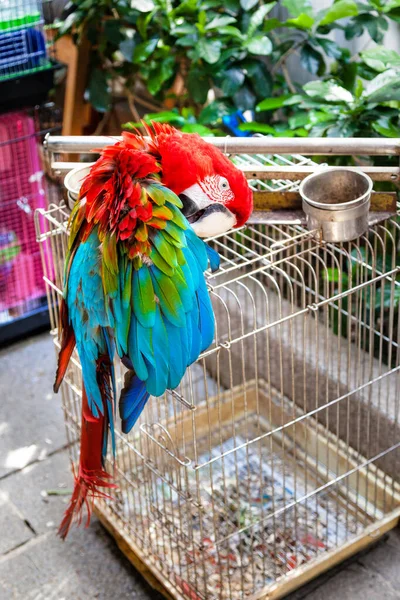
(36, 565)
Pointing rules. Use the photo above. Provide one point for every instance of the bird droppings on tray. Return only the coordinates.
(239, 515)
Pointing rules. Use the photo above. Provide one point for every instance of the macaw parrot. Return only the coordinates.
(134, 280)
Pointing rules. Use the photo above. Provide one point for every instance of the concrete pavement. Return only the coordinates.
(35, 476)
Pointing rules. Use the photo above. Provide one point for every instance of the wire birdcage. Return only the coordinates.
(278, 455)
(23, 189)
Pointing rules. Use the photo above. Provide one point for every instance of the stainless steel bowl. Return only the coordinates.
(336, 202)
(73, 181)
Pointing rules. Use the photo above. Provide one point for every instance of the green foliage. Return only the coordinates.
(380, 301)
(369, 106)
(210, 45)
(185, 120)
(233, 55)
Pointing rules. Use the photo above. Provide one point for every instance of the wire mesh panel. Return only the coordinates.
(281, 446)
(23, 189)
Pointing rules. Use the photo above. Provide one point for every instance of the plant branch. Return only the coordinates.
(288, 80)
(357, 54)
(285, 56)
(103, 122)
(147, 104)
(282, 62)
(132, 107)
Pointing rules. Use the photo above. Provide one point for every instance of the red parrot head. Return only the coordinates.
(215, 193)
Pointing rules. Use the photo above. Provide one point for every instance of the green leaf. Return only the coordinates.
(359, 88)
(335, 276)
(293, 99)
(231, 31)
(142, 23)
(259, 76)
(277, 131)
(394, 14)
(220, 21)
(213, 113)
(270, 24)
(258, 17)
(198, 85)
(210, 50)
(166, 116)
(303, 21)
(384, 87)
(339, 10)
(197, 128)
(373, 25)
(143, 50)
(348, 74)
(206, 5)
(330, 47)
(272, 103)
(385, 127)
(312, 60)
(164, 71)
(257, 128)
(299, 120)
(202, 20)
(98, 92)
(328, 91)
(184, 28)
(319, 116)
(142, 5)
(187, 40)
(380, 58)
(232, 80)
(392, 4)
(231, 6)
(248, 4)
(260, 45)
(353, 29)
(298, 7)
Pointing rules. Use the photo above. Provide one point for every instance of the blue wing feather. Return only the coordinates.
(161, 319)
(132, 402)
(213, 257)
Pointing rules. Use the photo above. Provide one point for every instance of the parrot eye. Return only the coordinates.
(223, 183)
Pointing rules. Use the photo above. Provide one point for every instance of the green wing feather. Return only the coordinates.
(143, 299)
(166, 249)
(160, 263)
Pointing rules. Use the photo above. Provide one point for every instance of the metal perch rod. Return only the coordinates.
(292, 173)
(252, 145)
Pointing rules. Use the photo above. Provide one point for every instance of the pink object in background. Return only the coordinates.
(21, 193)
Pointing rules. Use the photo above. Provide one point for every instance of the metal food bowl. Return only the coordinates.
(336, 202)
(73, 181)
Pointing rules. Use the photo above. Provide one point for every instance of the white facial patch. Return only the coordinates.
(195, 193)
(214, 224)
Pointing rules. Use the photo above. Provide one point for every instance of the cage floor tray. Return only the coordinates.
(251, 514)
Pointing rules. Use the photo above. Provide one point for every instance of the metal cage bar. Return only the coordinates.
(253, 145)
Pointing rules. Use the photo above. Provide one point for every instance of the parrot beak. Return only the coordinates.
(207, 221)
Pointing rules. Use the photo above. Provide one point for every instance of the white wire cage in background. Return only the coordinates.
(278, 455)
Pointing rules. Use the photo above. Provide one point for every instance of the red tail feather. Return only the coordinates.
(91, 476)
(67, 345)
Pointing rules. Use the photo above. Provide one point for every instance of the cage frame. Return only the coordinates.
(303, 573)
